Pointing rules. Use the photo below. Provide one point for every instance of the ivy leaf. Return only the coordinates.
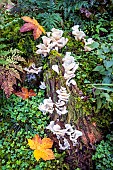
(32, 24)
(41, 148)
(108, 64)
(100, 68)
(93, 45)
(25, 94)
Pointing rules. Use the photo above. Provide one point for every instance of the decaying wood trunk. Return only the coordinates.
(82, 122)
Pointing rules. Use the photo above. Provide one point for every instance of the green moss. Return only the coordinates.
(78, 107)
(103, 119)
(10, 30)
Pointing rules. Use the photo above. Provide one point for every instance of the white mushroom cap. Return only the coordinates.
(65, 144)
(55, 68)
(70, 82)
(43, 49)
(59, 103)
(56, 33)
(33, 69)
(68, 76)
(61, 110)
(53, 40)
(62, 94)
(68, 59)
(68, 66)
(48, 34)
(60, 133)
(46, 106)
(62, 42)
(78, 34)
(56, 129)
(46, 40)
(88, 42)
(53, 45)
(75, 28)
(73, 133)
(42, 86)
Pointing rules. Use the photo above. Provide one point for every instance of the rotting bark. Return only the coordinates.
(81, 155)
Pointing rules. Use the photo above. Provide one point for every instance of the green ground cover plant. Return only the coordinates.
(104, 153)
(21, 119)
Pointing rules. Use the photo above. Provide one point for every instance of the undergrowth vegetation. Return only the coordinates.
(56, 84)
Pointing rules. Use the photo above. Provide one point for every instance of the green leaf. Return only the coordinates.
(37, 168)
(4, 53)
(97, 92)
(108, 64)
(106, 80)
(105, 88)
(99, 103)
(99, 52)
(3, 46)
(102, 56)
(99, 68)
(94, 45)
(107, 96)
(3, 62)
(103, 29)
(105, 49)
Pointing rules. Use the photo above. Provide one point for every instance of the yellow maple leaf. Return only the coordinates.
(42, 148)
(45, 154)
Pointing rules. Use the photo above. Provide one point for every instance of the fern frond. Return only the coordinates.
(10, 70)
(50, 20)
(81, 4)
(4, 53)
(14, 73)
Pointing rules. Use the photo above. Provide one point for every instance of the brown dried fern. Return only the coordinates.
(10, 73)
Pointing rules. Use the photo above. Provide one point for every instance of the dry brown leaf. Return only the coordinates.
(25, 94)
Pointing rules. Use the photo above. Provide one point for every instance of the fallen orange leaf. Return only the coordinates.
(32, 24)
(41, 148)
(25, 94)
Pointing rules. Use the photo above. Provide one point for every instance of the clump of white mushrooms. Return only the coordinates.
(88, 42)
(80, 35)
(46, 106)
(70, 66)
(59, 107)
(32, 69)
(69, 131)
(53, 40)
